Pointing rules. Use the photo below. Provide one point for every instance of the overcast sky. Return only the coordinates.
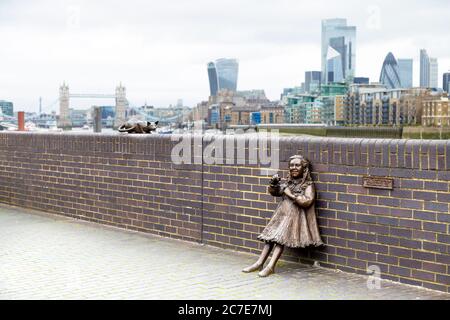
(159, 49)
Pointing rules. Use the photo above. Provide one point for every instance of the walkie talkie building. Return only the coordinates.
(212, 76)
(223, 74)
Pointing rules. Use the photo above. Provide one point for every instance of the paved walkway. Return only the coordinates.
(50, 257)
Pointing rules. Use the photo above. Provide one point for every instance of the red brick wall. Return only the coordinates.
(131, 182)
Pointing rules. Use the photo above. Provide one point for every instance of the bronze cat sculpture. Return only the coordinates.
(139, 127)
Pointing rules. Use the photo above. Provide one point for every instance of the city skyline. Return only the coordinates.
(159, 51)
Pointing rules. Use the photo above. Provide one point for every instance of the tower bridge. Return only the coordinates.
(122, 104)
(92, 95)
(64, 103)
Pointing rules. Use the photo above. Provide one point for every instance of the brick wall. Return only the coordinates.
(131, 182)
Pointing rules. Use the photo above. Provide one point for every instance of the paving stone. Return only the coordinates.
(52, 257)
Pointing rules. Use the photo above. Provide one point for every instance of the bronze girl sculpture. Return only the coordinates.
(293, 223)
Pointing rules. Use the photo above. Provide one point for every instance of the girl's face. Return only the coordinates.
(295, 168)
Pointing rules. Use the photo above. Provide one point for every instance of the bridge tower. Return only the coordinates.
(121, 106)
(64, 121)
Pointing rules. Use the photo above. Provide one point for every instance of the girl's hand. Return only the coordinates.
(289, 194)
(275, 180)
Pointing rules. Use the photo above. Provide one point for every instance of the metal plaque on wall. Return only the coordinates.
(378, 182)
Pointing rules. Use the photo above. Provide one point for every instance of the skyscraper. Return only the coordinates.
(433, 73)
(338, 50)
(428, 70)
(223, 74)
(7, 108)
(446, 82)
(335, 72)
(312, 80)
(390, 73)
(424, 69)
(227, 73)
(406, 72)
(213, 82)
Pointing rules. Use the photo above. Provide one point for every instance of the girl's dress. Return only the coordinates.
(293, 224)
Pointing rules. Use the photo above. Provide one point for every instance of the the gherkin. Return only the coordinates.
(390, 73)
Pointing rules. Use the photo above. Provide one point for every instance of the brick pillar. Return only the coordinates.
(97, 119)
(21, 121)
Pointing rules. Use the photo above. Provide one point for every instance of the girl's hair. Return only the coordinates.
(306, 179)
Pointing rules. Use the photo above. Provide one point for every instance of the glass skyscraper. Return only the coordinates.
(424, 69)
(212, 76)
(7, 108)
(338, 50)
(335, 71)
(223, 74)
(406, 72)
(312, 80)
(434, 73)
(428, 70)
(390, 72)
(446, 82)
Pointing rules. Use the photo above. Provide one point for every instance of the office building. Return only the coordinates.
(7, 108)
(222, 74)
(108, 114)
(406, 72)
(361, 80)
(434, 73)
(390, 72)
(428, 70)
(424, 69)
(312, 81)
(338, 51)
(212, 76)
(446, 82)
(335, 71)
